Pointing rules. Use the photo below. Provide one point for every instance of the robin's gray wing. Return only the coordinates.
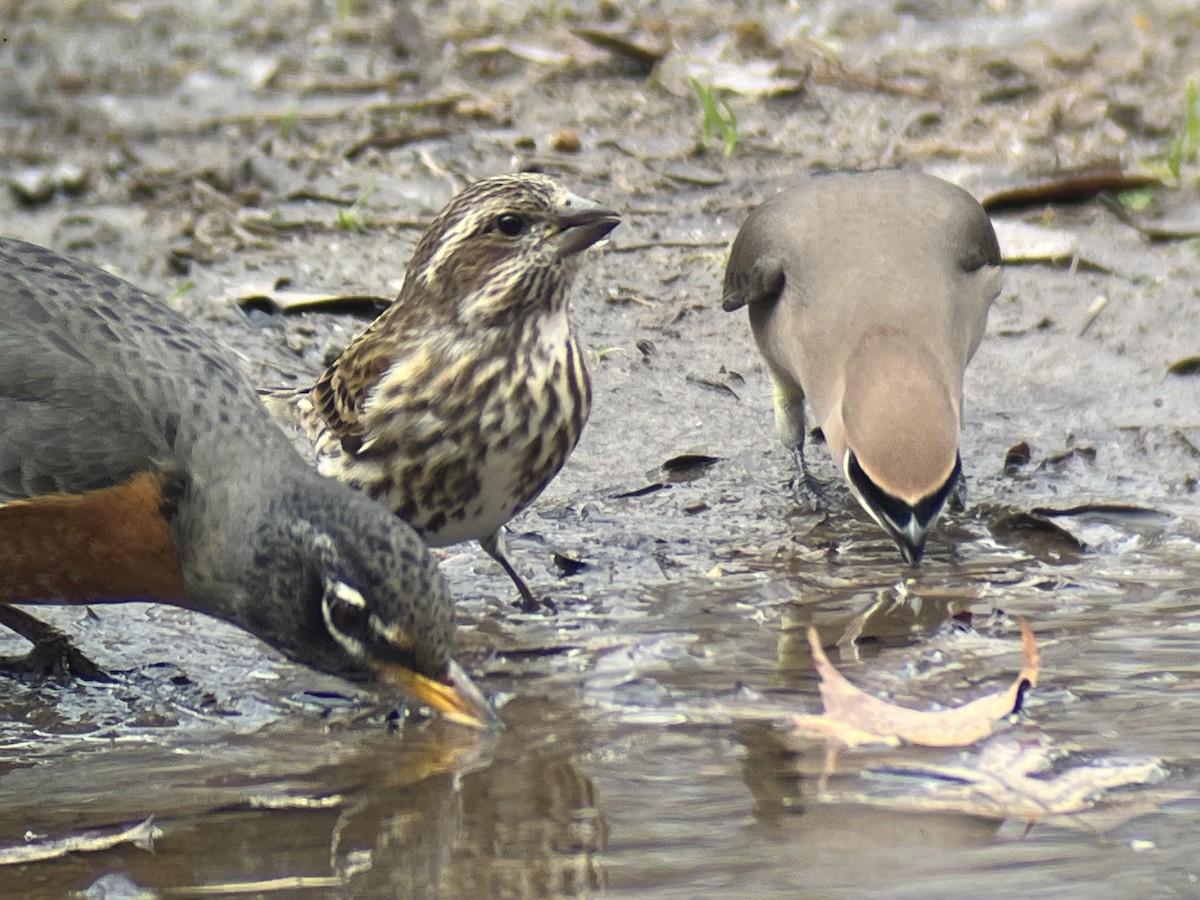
(67, 422)
(54, 439)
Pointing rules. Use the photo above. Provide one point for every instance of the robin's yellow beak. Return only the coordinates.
(456, 697)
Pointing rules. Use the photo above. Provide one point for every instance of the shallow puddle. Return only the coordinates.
(646, 748)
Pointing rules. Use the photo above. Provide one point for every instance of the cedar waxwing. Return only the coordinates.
(868, 295)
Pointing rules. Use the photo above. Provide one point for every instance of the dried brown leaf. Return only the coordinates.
(637, 51)
(1189, 365)
(273, 301)
(1018, 455)
(1068, 186)
(1037, 531)
(855, 718)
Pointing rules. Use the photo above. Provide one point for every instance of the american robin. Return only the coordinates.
(459, 404)
(137, 463)
(868, 295)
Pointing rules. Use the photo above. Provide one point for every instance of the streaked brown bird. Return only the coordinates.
(137, 463)
(868, 295)
(457, 406)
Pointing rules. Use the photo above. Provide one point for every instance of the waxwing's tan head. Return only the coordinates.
(868, 294)
(898, 447)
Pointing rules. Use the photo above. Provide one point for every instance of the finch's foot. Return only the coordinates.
(493, 545)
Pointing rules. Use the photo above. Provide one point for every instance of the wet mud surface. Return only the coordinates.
(205, 151)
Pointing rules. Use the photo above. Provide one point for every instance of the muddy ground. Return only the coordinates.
(205, 152)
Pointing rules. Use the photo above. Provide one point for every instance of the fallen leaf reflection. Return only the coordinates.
(141, 835)
(1015, 777)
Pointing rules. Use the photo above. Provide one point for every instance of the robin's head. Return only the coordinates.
(353, 591)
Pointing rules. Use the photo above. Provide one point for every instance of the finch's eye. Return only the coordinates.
(510, 224)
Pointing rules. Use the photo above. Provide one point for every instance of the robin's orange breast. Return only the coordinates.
(110, 544)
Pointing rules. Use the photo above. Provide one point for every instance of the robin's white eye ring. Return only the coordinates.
(349, 617)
